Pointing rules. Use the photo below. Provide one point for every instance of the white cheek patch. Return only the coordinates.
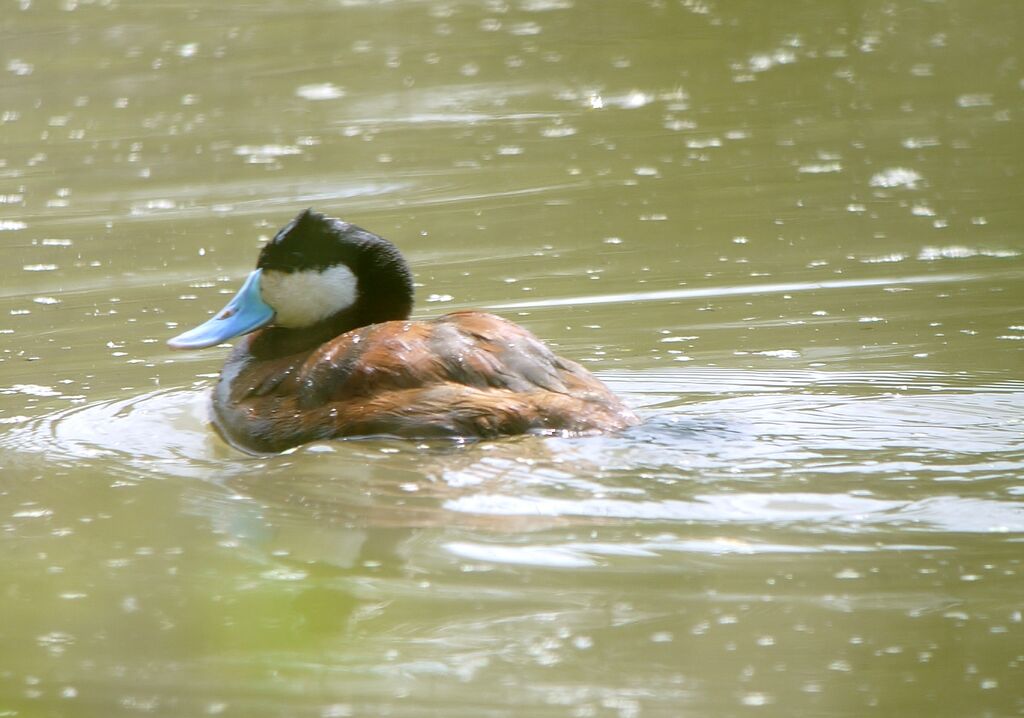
(301, 299)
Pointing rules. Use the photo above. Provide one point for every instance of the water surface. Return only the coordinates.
(789, 235)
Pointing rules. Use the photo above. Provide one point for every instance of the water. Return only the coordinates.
(788, 235)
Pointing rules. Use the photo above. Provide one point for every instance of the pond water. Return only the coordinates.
(789, 234)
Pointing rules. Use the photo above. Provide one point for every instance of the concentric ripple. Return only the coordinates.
(162, 431)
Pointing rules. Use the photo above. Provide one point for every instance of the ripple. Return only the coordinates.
(752, 507)
(710, 441)
(165, 430)
(705, 292)
(938, 514)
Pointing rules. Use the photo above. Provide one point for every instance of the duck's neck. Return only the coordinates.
(274, 342)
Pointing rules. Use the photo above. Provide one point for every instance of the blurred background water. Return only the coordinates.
(789, 234)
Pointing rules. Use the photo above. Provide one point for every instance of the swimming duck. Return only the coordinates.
(329, 351)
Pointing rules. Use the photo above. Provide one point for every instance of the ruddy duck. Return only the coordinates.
(332, 353)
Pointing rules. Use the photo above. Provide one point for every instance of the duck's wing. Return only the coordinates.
(472, 349)
(467, 372)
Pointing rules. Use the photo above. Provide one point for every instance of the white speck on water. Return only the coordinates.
(30, 390)
(560, 131)
(819, 168)
(780, 353)
(896, 177)
(262, 154)
(19, 67)
(525, 28)
(582, 642)
(974, 100)
(885, 258)
(930, 254)
(56, 642)
(703, 144)
(283, 574)
(319, 91)
(628, 101)
(32, 514)
(756, 699)
(763, 62)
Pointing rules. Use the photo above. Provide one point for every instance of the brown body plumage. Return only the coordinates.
(332, 353)
(466, 374)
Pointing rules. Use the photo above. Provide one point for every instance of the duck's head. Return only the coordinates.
(316, 271)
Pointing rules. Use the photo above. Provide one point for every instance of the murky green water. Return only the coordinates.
(790, 234)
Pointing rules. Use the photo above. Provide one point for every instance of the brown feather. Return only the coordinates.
(466, 374)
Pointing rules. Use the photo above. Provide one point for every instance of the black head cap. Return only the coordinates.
(313, 242)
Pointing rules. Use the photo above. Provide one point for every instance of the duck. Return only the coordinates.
(328, 350)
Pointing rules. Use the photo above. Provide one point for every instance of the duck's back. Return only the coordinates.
(464, 374)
